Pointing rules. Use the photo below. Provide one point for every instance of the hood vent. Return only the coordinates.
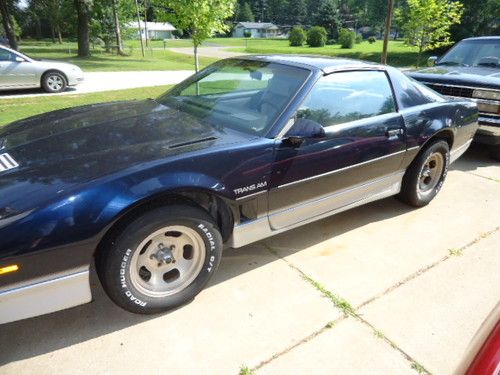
(7, 162)
(189, 143)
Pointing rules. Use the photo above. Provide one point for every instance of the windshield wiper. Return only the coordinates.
(451, 63)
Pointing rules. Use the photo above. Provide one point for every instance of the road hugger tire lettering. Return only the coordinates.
(117, 266)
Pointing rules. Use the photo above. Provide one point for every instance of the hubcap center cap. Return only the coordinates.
(164, 254)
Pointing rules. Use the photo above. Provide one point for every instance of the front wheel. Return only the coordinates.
(426, 174)
(54, 82)
(161, 260)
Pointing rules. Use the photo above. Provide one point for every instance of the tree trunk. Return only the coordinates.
(59, 35)
(8, 24)
(38, 29)
(196, 60)
(146, 22)
(139, 26)
(83, 28)
(388, 22)
(52, 34)
(118, 32)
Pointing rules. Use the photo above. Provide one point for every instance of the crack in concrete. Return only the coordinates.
(481, 176)
(427, 268)
(348, 311)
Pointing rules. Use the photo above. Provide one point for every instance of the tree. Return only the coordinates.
(8, 23)
(83, 11)
(478, 19)
(245, 13)
(328, 17)
(277, 11)
(202, 17)
(297, 12)
(426, 23)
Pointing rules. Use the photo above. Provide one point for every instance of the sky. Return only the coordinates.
(22, 3)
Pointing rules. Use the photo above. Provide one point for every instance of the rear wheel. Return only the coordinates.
(54, 82)
(425, 176)
(161, 260)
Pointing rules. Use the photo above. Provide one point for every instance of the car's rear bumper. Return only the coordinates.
(45, 295)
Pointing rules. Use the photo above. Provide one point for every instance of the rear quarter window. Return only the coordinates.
(410, 93)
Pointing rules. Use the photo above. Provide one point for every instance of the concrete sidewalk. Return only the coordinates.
(107, 81)
(415, 284)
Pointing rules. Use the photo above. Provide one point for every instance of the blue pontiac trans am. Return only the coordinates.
(153, 190)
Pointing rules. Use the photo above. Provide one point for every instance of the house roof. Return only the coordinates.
(154, 26)
(257, 25)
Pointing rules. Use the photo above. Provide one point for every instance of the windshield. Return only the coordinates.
(244, 95)
(479, 52)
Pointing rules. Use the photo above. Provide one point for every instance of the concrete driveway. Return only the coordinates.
(381, 289)
(107, 81)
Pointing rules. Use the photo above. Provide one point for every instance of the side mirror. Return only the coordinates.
(19, 59)
(304, 128)
(431, 61)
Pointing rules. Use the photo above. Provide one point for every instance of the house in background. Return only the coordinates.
(156, 30)
(257, 29)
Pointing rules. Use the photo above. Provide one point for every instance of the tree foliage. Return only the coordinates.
(203, 18)
(426, 23)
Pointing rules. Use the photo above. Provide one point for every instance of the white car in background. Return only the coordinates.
(18, 71)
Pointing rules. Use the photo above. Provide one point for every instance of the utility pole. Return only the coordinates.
(139, 26)
(388, 22)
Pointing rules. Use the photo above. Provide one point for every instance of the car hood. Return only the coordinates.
(481, 77)
(54, 64)
(58, 150)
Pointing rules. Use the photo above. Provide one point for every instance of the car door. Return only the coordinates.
(15, 71)
(357, 159)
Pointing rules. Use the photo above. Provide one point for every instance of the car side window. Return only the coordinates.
(348, 96)
(6, 55)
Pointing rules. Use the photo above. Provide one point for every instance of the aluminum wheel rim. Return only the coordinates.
(431, 172)
(55, 82)
(153, 275)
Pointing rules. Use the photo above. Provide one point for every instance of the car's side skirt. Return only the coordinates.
(54, 293)
(459, 151)
(258, 229)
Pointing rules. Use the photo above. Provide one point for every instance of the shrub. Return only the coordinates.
(347, 38)
(247, 34)
(297, 37)
(359, 38)
(331, 42)
(372, 40)
(316, 36)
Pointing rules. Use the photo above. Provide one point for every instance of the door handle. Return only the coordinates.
(393, 133)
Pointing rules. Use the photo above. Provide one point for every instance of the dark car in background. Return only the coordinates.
(471, 69)
(243, 150)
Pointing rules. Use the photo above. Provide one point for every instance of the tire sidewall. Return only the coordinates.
(123, 290)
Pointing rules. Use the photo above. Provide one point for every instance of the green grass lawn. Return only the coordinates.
(16, 109)
(101, 61)
(399, 53)
(179, 43)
